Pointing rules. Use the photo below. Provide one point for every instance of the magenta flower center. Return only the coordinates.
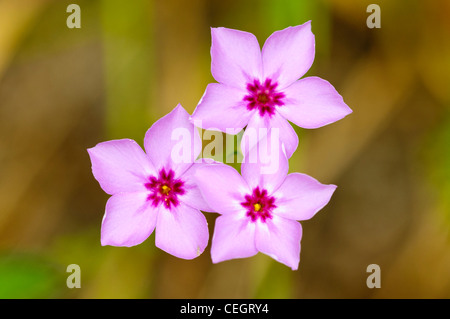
(263, 97)
(165, 189)
(259, 205)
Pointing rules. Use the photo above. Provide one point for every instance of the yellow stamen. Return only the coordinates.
(263, 98)
(165, 189)
(257, 207)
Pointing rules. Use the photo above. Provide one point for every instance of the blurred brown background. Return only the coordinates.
(64, 90)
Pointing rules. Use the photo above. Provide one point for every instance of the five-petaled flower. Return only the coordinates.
(260, 212)
(260, 209)
(154, 189)
(260, 89)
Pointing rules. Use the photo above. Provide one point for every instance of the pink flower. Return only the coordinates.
(260, 212)
(260, 89)
(153, 190)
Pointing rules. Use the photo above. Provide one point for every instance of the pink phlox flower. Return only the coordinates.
(260, 209)
(154, 189)
(260, 88)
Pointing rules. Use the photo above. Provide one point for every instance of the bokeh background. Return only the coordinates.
(64, 90)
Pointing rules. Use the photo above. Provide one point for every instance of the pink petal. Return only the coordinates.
(235, 57)
(313, 102)
(173, 142)
(280, 239)
(233, 237)
(288, 54)
(222, 107)
(266, 164)
(287, 134)
(120, 166)
(300, 197)
(181, 231)
(193, 197)
(258, 127)
(129, 220)
(222, 187)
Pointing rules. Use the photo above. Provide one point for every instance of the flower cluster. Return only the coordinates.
(260, 209)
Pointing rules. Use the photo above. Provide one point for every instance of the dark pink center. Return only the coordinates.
(165, 189)
(263, 97)
(259, 205)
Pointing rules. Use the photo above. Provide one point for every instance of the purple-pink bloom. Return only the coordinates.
(155, 189)
(260, 89)
(260, 212)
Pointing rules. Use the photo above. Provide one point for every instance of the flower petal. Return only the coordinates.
(288, 54)
(193, 197)
(313, 102)
(222, 187)
(258, 127)
(173, 142)
(300, 197)
(235, 57)
(120, 166)
(280, 239)
(266, 164)
(287, 134)
(181, 231)
(233, 237)
(222, 107)
(129, 220)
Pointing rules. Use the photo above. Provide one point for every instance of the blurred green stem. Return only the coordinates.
(127, 29)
